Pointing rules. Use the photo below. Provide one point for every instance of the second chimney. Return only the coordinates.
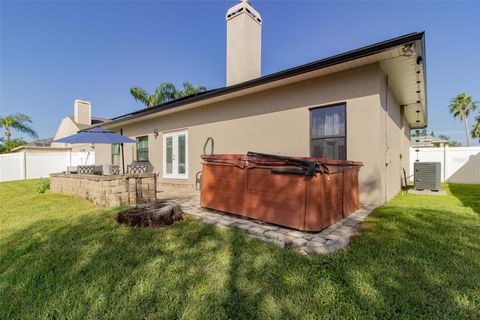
(82, 112)
(244, 43)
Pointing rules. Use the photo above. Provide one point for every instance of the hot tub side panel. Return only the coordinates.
(275, 198)
(223, 188)
(351, 201)
(324, 205)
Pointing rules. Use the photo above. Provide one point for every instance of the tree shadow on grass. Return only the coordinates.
(94, 268)
(402, 264)
(468, 194)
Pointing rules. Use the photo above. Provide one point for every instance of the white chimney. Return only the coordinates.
(244, 43)
(82, 112)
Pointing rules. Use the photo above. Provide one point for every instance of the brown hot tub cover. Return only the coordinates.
(306, 194)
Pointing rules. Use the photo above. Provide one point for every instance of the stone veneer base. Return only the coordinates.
(107, 191)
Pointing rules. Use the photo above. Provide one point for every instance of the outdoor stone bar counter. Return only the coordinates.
(107, 191)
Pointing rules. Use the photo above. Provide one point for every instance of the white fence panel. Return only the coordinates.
(32, 165)
(459, 164)
(463, 165)
(40, 165)
(12, 166)
(82, 158)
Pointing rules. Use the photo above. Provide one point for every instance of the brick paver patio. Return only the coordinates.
(329, 240)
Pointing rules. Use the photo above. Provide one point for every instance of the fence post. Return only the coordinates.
(24, 165)
(445, 162)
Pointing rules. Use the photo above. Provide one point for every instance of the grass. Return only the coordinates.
(62, 258)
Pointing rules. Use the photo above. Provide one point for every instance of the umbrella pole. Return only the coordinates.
(123, 158)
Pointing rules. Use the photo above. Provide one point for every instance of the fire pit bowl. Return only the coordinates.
(160, 213)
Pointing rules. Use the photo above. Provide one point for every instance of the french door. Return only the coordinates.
(175, 155)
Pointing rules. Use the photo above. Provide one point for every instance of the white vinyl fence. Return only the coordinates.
(33, 165)
(459, 164)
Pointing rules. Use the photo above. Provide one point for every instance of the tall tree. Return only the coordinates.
(164, 92)
(476, 128)
(450, 141)
(189, 89)
(460, 107)
(6, 147)
(19, 122)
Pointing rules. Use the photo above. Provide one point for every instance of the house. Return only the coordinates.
(39, 145)
(46, 142)
(428, 142)
(81, 119)
(358, 105)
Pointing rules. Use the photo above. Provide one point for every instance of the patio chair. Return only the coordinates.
(110, 169)
(71, 170)
(90, 169)
(137, 167)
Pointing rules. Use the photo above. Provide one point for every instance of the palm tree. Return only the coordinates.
(189, 89)
(460, 107)
(163, 93)
(476, 128)
(19, 122)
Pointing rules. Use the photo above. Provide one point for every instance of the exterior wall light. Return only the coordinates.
(408, 50)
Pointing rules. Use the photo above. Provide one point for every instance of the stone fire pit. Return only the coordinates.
(160, 213)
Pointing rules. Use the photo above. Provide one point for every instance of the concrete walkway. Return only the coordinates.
(329, 240)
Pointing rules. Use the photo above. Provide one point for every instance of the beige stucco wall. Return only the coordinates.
(66, 128)
(394, 141)
(278, 121)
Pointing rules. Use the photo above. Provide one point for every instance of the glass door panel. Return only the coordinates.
(169, 155)
(175, 155)
(182, 164)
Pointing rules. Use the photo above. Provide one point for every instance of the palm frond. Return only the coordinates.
(140, 95)
(19, 122)
(25, 128)
(189, 89)
(165, 92)
(476, 128)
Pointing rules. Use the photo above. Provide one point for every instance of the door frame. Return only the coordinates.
(174, 174)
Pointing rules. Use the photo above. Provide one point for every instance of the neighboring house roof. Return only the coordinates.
(95, 121)
(426, 141)
(406, 80)
(46, 142)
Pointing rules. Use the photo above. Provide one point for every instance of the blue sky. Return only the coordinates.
(53, 52)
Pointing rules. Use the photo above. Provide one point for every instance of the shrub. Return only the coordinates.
(43, 185)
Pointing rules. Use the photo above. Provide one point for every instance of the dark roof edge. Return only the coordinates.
(319, 64)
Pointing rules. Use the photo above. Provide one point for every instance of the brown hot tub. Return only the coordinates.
(302, 193)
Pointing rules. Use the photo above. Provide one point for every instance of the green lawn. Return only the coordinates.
(62, 258)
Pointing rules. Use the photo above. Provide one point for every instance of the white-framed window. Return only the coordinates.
(328, 132)
(142, 148)
(116, 153)
(175, 155)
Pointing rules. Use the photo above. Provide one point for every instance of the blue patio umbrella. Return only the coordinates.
(97, 135)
